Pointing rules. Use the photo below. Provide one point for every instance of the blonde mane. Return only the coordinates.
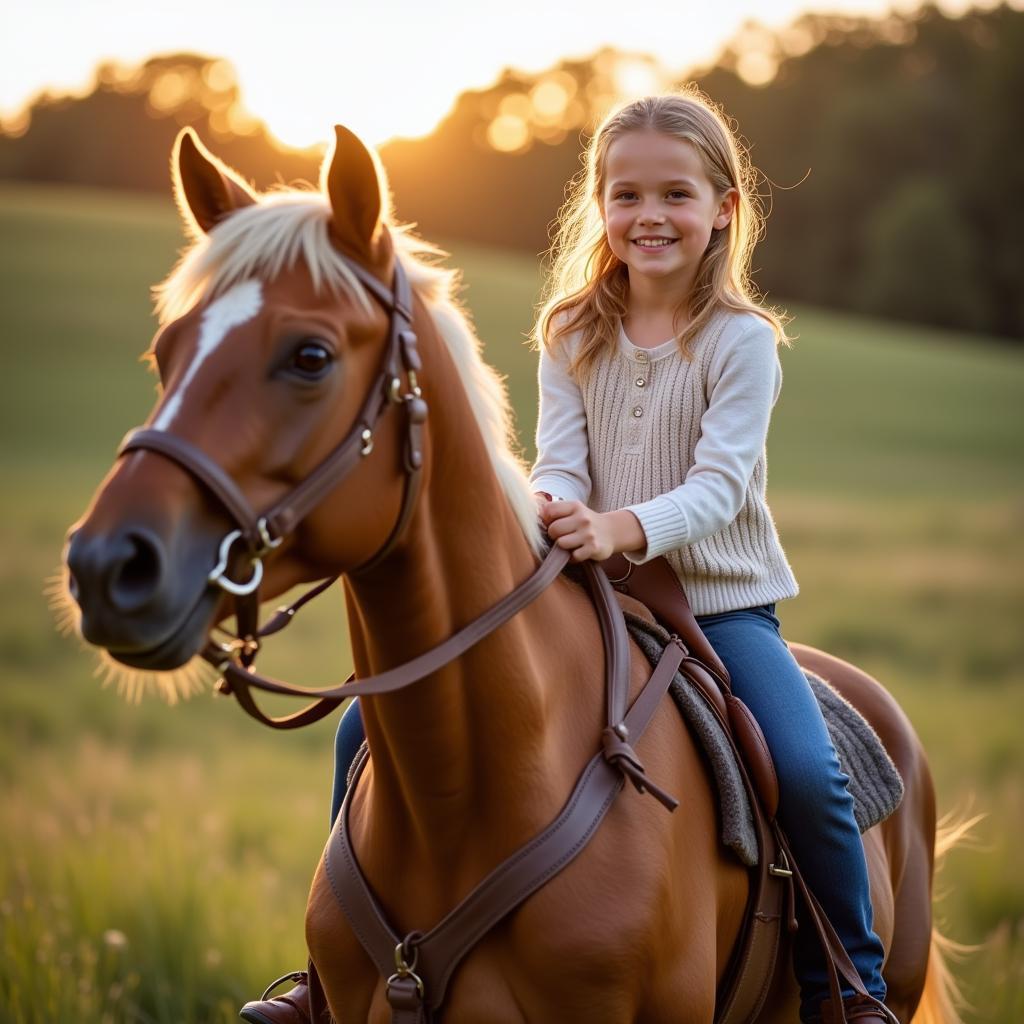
(289, 225)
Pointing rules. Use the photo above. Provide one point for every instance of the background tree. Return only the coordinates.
(869, 133)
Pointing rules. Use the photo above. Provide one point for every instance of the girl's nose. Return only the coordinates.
(651, 217)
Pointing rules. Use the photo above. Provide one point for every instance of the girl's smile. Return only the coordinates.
(660, 208)
(653, 243)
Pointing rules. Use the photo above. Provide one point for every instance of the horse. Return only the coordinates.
(267, 346)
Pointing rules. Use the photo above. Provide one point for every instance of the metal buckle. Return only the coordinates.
(267, 543)
(782, 871)
(395, 389)
(406, 970)
(218, 575)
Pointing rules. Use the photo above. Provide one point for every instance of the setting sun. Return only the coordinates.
(374, 116)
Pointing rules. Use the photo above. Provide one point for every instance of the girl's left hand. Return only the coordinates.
(589, 534)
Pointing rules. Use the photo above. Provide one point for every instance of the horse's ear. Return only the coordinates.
(206, 190)
(353, 182)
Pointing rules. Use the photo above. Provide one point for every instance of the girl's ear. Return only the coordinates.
(205, 190)
(353, 185)
(726, 209)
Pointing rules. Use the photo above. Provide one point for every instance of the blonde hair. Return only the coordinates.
(588, 285)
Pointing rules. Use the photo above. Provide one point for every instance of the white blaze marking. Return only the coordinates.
(231, 310)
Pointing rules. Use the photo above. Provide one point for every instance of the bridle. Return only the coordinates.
(259, 534)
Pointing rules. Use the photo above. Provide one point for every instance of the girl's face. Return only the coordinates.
(659, 207)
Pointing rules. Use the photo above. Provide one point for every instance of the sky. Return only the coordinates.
(382, 67)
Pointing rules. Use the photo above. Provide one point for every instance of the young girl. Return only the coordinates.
(658, 373)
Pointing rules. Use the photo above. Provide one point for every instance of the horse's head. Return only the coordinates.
(279, 340)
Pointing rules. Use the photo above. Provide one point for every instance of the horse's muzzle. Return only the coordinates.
(132, 604)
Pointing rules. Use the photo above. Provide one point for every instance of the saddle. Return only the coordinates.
(755, 961)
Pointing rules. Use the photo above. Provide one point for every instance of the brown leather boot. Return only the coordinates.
(856, 1008)
(290, 1008)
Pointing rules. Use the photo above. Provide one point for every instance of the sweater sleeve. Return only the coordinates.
(744, 380)
(563, 452)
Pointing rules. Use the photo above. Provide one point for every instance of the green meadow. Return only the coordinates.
(154, 860)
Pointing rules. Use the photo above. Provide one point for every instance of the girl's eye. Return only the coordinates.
(626, 195)
(311, 358)
(679, 194)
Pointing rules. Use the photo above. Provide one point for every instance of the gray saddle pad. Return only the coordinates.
(875, 784)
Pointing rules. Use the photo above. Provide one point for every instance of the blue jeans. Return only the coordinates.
(815, 807)
(347, 741)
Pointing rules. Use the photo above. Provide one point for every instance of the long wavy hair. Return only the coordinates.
(588, 286)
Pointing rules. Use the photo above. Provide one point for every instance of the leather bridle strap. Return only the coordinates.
(282, 518)
(401, 349)
(616, 737)
(435, 955)
(203, 468)
(240, 681)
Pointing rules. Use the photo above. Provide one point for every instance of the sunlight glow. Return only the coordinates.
(387, 70)
(756, 67)
(375, 115)
(508, 133)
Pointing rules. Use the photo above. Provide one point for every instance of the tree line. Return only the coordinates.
(888, 150)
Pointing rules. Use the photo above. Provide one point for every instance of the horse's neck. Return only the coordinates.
(437, 583)
(467, 742)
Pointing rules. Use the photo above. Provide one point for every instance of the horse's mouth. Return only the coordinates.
(177, 647)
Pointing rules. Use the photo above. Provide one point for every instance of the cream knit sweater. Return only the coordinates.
(681, 444)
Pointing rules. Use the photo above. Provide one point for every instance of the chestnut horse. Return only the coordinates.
(267, 348)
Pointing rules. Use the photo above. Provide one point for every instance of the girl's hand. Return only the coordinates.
(589, 534)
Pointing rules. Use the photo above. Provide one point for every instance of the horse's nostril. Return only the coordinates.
(135, 574)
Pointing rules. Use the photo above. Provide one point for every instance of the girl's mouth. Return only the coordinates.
(653, 243)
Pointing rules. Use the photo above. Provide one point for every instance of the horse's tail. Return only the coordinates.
(942, 999)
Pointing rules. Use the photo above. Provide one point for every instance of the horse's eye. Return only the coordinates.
(311, 358)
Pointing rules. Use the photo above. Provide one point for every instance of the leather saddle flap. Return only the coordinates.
(656, 585)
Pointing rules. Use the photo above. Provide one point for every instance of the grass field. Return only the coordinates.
(154, 861)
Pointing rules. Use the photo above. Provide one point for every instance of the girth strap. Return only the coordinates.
(438, 953)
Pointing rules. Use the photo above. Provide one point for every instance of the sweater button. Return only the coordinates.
(640, 382)
(641, 357)
(638, 411)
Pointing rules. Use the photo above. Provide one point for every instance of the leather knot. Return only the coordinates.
(620, 755)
